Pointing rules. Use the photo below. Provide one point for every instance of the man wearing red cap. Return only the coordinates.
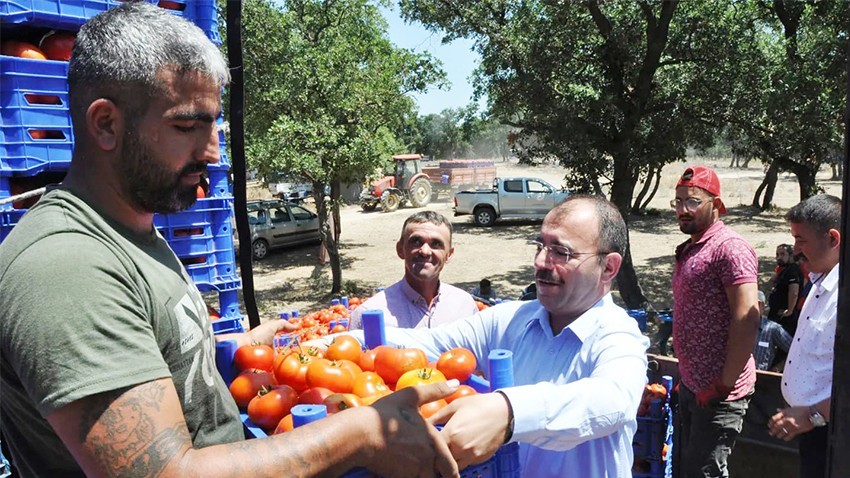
(717, 319)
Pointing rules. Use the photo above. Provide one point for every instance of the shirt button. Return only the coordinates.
(817, 297)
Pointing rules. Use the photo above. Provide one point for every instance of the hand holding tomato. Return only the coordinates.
(474, 427)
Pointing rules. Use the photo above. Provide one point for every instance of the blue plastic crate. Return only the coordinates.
(35, 125)
(72, 14)
(8, 219)
(227, 326)
(640, 317)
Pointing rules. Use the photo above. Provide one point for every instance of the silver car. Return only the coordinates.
(277, 224)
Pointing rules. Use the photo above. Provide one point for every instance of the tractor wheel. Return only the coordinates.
(368, 205)
(260, 249)
(484, 216)
(390, 202)
(420, 193)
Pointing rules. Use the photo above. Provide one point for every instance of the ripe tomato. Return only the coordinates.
(367, 359)
(314, 396)
(200, 193)
(351, 367)
(284, 425)
(457, 363)
(22, 50)
(338, 329)
(344, 347)
(254, 356)
(419, 376)
(269, 407)
(431, 408)
(57, 45)
(246, 385)
(391, 363)
(331, 375)
(169, 5)
(314, 352)
(367, 384)
(292, 371)
(462, 391)
(342, 401)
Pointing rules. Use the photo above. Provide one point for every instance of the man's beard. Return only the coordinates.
(151, 186)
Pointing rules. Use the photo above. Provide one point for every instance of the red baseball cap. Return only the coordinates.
(703, 178)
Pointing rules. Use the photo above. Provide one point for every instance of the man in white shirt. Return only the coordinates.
(807, 382)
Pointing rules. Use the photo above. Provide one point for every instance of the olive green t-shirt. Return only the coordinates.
(88, 306)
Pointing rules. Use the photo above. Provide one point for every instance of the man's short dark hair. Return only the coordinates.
(422, 217)
(821, 213)
(613, 234)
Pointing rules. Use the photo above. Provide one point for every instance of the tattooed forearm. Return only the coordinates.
(120, 430)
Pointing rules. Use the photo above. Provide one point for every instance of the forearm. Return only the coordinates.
(323, 448)
(742, 339)
(793, 293)
(823, 407)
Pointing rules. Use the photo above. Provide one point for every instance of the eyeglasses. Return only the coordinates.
(690, 204)
(559, 254)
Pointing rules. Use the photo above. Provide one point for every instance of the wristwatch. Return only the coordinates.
(816, 418)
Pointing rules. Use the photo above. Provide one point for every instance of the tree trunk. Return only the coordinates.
(333, 244)
(654, 190)
(767, 186)
(636, 205)
(627, 283)
(621, 195)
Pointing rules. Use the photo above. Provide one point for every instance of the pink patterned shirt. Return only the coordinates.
(701, 314)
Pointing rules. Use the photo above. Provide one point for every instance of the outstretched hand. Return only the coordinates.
(474, 427)
(405, 444)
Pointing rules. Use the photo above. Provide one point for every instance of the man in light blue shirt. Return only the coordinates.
(579, 359)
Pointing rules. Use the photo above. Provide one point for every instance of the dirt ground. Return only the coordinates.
(292, 279)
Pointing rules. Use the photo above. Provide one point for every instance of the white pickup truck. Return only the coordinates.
(525, 198)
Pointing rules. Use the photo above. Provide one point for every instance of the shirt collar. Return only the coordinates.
(582, 327)
(828, 282)
(708, 234)
(414, 296)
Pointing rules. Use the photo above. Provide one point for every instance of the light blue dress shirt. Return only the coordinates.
(576, 393)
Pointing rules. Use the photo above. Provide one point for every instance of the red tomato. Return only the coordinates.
(368, 384)
(351, 367)
(331, 375)
(314, 352)
(367, 359)
(457, 363)
(462, 391)
(269, 407)
(419, 376)
(246, 385)
(292, 371)
(314, 396)
(22, 50)
(342, 401)
(254, 356)
(200, 193)
(57, 45)
(431, 408)
(169, 5)
(344, 347)
(285, 425)
(391, 363)
(338, 329)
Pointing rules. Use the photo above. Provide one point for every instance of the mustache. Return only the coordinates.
(194, 168)
(545, 276)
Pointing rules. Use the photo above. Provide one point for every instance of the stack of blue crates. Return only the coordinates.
(36, 142)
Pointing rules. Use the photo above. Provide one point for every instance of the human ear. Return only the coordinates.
(105, 124)
(613, 261)
(399, 249)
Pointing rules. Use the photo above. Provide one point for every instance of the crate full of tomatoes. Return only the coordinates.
(271, 381)
(654, 436)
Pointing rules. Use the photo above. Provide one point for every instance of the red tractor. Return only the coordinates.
(409, 183)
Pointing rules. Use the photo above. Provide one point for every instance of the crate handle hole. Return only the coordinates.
(42, 99)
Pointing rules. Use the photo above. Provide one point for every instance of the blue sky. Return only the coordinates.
(458, 62)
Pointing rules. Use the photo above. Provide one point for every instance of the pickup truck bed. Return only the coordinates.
(524, 198)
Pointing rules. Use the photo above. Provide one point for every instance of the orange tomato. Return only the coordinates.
(246, 385)
(285, 425)
(457, 363)
(431, 408)
(419, 376)
(270, 405)
(292, 371)
(331, 375)
(462, 391)
(344, 347)
(391, 363)
(368, 384)
(342, 401)
(22, 50)
(367, 359)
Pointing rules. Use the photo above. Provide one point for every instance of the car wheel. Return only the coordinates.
(260, 249)
(484, 216)
(390, 202)
(420, 193)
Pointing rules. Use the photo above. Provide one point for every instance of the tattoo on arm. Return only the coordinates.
(119, 429)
